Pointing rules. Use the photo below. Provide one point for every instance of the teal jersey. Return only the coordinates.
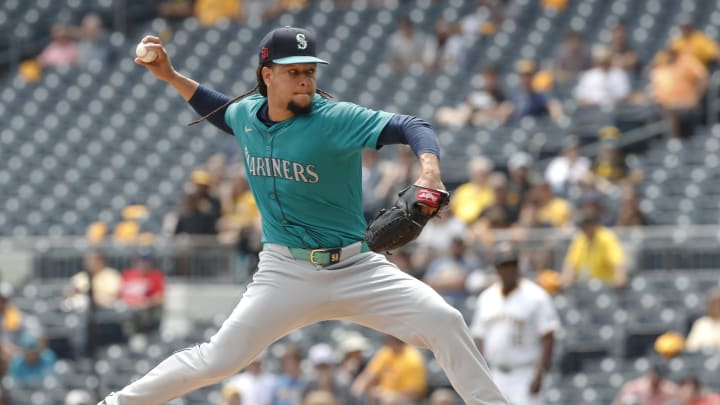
(305, 172)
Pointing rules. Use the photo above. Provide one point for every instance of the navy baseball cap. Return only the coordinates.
(288, 45)
(506, 253)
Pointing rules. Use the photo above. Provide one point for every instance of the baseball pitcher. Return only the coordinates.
(302, 157)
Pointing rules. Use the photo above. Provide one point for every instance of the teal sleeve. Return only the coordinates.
(359, 127)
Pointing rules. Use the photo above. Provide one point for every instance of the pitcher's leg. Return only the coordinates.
(386, 299)
(275, 303)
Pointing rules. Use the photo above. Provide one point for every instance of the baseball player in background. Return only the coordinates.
(514, 326)
(302, 157)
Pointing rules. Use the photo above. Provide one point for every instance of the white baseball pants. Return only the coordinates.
(287, 293)
(515, 384)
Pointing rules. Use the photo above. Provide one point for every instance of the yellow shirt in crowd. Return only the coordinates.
(470, 200)
(209, 12)
(559, 5)
(676, 84)
(245, 210)
(11, 319)
(399, 372)
(596, 259)
(557, 212)
(704, 48)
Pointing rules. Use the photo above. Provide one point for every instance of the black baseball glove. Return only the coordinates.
(403, 222)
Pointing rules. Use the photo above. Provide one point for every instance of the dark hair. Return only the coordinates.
(260, 88)
(572, 34)
(692, 379)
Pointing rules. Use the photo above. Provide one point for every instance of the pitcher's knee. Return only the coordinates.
(446, 317)
(215, 365)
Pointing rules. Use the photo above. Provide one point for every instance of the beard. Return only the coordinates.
(297, 109)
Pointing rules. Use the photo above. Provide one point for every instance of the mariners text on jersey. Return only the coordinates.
(274, 167)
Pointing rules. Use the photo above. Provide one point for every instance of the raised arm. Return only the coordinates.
(163, 69)
(201, 99)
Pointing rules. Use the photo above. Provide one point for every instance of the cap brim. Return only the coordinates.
(299, 59)
(506, 261)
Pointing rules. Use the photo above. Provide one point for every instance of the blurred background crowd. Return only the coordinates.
(582, 132)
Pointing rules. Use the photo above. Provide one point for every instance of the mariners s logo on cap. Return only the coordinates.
(302, 43)
(289, 45)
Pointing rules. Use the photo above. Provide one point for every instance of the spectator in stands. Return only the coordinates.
(396, 374)
(482, 21)
(446, 47)
(13, 324)
(240, 224)
(34, 362)
(175, 9)
(697, 43)
(705, 331)
(255, 384)
(595, 201)
(448, 272)
(505, 209)
(571, 58)
(281, 6)
(231, 396)
(552, 209)
(691, 392)
(207, 12)
(566, 170)
(238, 206)
(530, 217)
(325, 377)
(92, 39)
(321, 397)
(604, 85)
(623, 55)
(353, 362)
(556, 5)
(106, 283)
(528, 102)
(514, 325)
(406, 45)
(610, 163)
(62, 50)
(542, 254)
(651, 389)
(143, 291)
(199, 211)
(678, 82)
(520, 179)
(499, 215)
(443, 396)
(210, 12)
(288, 386)
(78, 397)
(471, 198)
(482, 106)
(594, 253)
(630, 213)
(437, 237)
(206, 181)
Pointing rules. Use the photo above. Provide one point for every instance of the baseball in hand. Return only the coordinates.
(144, 54)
